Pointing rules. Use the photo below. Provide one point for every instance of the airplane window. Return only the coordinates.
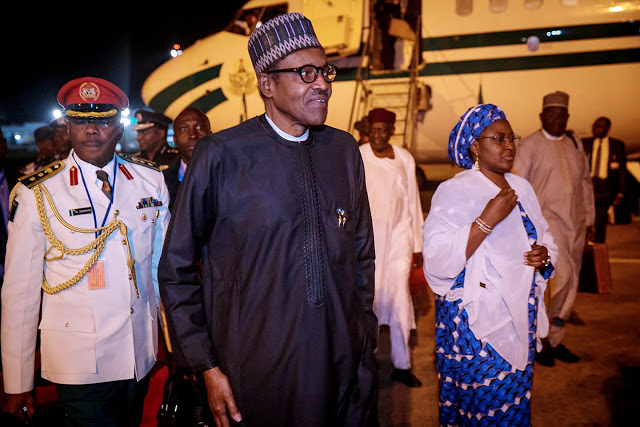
(464, 7)
(246, 20)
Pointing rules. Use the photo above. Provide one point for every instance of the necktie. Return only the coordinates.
(596, 168)
(106, 187)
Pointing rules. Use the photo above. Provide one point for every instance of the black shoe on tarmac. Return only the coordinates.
(405, 377)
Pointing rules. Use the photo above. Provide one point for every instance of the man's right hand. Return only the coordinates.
(220, 397)
(17, 404)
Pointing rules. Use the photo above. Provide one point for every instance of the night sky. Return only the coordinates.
(43, 49)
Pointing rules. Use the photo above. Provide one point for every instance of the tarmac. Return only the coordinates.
(600, 390)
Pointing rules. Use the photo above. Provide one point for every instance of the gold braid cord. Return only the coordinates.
(98, 114)
(97, 245)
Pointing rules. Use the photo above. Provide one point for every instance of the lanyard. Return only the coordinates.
(113, 191)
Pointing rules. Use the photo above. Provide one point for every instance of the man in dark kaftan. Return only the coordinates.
(281, 324)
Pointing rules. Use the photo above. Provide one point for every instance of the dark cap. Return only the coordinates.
(43, 133)
(279, 37)
(58, 123)
(92, 97)
(147, 119)
(382, 115)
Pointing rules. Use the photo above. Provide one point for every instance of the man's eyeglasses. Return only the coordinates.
(309, 73)
(501, 138)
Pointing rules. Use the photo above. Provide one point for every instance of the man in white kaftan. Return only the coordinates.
(555, 164)
(397, 227)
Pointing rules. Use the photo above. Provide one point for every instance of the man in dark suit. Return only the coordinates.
(608, 160)
(190, 125)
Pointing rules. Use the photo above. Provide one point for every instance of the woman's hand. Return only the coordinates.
(537, 256)
(499, 207)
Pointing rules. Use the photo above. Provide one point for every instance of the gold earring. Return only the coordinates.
(476, 166)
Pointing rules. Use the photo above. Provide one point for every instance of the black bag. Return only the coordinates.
(184, 402)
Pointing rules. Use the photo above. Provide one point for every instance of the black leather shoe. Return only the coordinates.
(562, 353)
(546, 357)
(405, 377)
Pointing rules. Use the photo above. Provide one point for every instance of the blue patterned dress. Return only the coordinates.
(477, 386)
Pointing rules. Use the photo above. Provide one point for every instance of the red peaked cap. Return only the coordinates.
(382, 115)
(91, 90)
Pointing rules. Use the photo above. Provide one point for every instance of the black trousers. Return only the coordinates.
(109, 404)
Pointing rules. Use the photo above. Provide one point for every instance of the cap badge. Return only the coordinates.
(89, 91)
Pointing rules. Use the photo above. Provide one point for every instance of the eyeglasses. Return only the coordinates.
(309, 73)
(501, 138)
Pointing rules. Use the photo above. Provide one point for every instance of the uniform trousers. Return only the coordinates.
(108, 404)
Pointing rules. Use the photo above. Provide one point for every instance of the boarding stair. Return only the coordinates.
(394, 90)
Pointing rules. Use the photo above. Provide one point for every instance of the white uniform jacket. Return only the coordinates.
(497, 283)
(87, 335)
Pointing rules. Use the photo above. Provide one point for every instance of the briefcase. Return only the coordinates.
(595, 274)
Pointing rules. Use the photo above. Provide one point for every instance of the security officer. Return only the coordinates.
(60, 137)
(152, 131)
(88, 230)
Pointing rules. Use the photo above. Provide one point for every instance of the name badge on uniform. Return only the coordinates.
(97, 276)
(80, 211)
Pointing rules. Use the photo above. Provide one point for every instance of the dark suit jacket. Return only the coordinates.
(171, 179)
(606, 190)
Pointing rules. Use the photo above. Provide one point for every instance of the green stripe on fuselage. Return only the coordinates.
(513, 64)
(167, 96)
(546, 35)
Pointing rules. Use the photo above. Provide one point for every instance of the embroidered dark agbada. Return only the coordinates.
(285, 303)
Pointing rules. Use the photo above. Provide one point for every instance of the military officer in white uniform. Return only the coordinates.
(93, 247)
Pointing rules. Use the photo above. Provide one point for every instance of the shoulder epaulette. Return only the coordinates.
(42, 174)
(139, 161)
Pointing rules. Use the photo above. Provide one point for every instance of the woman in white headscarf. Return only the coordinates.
(487, 257)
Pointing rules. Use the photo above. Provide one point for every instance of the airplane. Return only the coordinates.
(468, 51)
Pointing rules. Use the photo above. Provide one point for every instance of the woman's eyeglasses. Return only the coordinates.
(501, 138)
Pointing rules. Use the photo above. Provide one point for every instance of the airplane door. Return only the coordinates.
(338, 24)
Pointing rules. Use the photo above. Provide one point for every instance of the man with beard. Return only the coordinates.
(554, 162)
(281, 324)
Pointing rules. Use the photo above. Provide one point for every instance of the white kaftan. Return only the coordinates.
(397, 229)
(558, 171)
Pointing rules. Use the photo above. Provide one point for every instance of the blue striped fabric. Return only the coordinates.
(477, 386)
